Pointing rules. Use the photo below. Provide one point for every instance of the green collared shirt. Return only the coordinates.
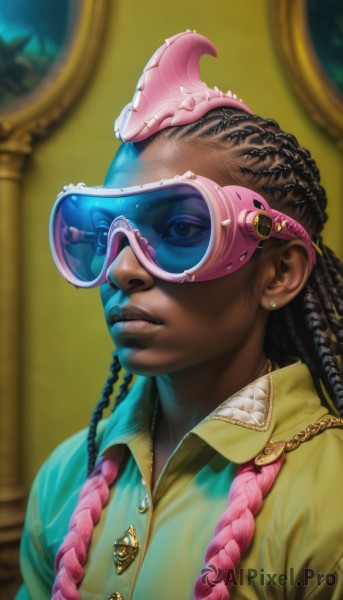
(297, 547)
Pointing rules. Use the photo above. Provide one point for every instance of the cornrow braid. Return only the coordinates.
(273, 163)
(103, 403)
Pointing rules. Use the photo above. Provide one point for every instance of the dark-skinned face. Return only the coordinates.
(185, 326)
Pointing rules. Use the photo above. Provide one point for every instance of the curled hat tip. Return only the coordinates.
(170, 91)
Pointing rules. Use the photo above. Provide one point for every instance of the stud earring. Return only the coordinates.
(273, 305)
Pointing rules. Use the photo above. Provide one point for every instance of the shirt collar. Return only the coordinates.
(273, 407)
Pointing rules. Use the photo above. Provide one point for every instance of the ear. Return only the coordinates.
(288, 270)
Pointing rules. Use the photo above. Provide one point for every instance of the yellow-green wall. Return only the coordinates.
(66, 348)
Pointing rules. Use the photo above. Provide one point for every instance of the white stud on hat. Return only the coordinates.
(170, 91)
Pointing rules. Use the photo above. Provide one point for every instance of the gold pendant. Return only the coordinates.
(125, 549)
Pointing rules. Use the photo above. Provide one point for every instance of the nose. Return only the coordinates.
(127, 273)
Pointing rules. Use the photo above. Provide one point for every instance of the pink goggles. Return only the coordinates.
(183, 229)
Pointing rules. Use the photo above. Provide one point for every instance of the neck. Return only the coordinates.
(187, 398)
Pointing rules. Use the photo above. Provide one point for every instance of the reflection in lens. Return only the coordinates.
(174, 221)
(78, 238)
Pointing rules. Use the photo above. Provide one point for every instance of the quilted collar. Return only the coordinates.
(250, 407)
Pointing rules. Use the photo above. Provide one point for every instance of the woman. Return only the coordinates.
(220, 294)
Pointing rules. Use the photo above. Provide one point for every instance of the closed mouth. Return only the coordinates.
(118, 314)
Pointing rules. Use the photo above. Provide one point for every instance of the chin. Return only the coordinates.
(140, 361)
(134, 361)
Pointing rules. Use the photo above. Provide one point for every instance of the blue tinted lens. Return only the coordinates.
(175, 222)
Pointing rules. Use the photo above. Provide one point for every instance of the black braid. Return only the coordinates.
(317, 323)
(123, 389)
(103, 403)
(272, 163)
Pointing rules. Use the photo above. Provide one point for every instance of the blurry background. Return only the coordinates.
(65, 344)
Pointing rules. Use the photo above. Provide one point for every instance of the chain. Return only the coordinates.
(311, 431)
(272, 451)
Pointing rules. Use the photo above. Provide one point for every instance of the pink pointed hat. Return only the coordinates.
(170, 91)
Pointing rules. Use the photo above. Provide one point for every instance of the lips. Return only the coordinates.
(118, 314)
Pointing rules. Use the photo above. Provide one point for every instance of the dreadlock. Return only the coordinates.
(274, 165)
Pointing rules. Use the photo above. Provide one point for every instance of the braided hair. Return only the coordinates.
(103, 403)
(272, 162)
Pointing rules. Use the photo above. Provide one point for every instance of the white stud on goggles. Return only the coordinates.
(183, 229)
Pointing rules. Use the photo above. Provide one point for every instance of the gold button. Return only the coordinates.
(115, 596)
(125, 549)
(270, 453)
(144, 504)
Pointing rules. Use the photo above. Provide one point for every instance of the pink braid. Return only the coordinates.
(235, 529)
(73, 551)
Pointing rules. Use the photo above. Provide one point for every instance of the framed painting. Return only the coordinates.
(47, 49)
(309, 34)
